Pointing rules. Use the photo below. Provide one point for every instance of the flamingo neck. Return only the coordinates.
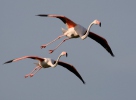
(87, 33)
(54, 65)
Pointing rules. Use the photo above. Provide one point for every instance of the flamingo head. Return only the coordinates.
(97, 22)
(64, 53)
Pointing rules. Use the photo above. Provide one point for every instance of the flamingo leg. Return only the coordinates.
(32, 74)
(59, 45)
(43, 46)
(37, 67)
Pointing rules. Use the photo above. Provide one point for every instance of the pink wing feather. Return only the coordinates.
(24, 57)
(65, 20)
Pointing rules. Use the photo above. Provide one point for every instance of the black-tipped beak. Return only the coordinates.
(100, 24)
(66, 54)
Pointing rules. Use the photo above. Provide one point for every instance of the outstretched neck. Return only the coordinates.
(54, 65)
(87, 33)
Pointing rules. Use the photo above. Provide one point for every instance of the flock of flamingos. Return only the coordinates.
(73, 31)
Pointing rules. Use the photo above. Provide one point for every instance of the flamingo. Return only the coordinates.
(75, 31)
(48, 62)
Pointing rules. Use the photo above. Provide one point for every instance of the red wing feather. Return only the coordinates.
(64, 19)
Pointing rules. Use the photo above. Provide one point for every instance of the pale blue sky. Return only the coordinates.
(106, 77)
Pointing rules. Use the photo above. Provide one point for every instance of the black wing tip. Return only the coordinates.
(110, 51)
(84, 82)
(42, 15)
(8, 61)
(113, 55)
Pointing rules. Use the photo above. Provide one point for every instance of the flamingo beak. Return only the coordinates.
(100, 24)
(66, 54)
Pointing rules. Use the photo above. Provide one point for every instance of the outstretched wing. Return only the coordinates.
(72, 69)
(24, 57)
(101, 41)
(64, 19)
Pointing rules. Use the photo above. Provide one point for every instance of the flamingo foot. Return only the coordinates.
(51, 51)
(43, 46)
(31, 75)
(26, 76)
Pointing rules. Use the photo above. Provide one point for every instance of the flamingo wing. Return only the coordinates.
(101, 41)
(72, 69)
(24, 57)
(64, 19)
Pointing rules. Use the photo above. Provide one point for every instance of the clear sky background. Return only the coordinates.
(107, 78)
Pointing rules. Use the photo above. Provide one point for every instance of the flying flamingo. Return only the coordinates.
(46, 63)
(75, 31)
